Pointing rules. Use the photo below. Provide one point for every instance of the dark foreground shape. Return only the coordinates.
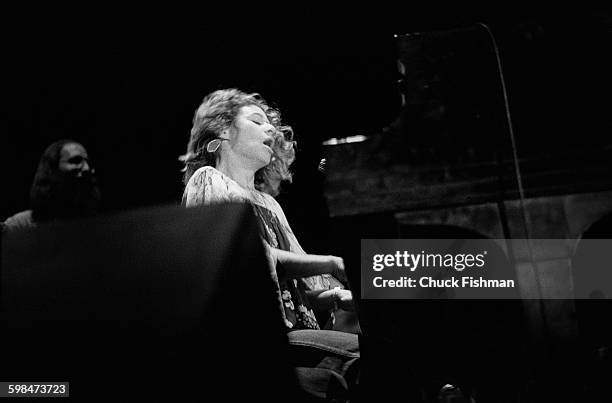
(152, 305)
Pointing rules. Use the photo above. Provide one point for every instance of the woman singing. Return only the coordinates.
(239, 151)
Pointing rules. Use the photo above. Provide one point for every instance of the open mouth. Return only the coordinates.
(268, 144)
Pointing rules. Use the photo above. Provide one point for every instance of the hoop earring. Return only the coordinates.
(214, 144)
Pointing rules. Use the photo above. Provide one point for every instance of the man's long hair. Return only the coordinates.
(59, 195)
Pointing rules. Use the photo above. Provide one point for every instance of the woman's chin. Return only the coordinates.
(262, 163)
(267, 160)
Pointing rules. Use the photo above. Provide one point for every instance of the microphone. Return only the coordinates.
(322, 165)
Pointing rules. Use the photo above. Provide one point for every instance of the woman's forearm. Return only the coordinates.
(322, 299)
(295, 265)
(331, 299)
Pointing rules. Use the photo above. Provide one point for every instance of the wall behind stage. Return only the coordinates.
(125, 81)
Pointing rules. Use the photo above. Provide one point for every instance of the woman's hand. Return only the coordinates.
(336, 298)
(337, 268)
(344, 299)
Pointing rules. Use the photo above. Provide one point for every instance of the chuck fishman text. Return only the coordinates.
(430, 282)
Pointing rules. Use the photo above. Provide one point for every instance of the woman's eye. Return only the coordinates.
(256, 122)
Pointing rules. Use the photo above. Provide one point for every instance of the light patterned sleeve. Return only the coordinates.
(206, 186)
(319, 282)
(277, 209)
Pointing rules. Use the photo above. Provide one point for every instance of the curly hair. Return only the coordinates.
(218, 112)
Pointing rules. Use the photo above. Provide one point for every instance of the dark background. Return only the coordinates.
(125, 81)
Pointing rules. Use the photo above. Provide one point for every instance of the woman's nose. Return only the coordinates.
(269, 132)
(269, 129)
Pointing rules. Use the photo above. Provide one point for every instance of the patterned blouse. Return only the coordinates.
(208, 185)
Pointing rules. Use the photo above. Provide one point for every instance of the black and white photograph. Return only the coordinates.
(334, 203)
